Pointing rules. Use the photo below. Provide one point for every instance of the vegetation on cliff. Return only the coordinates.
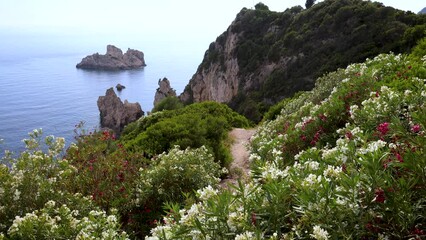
(281, 53)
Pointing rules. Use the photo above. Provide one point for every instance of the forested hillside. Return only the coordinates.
(265, 56)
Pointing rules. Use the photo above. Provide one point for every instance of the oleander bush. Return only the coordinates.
(35, 203)
(172, 177)
(346, 160)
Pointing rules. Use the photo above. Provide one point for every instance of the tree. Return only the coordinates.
(261, 6)
(309, 3)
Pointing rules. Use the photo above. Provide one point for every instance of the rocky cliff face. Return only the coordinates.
(217, 81)
(266, 56)
(114, 59)
(164, 90)
(115, 114)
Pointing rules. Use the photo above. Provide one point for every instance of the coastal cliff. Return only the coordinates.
(265, 56)
(114, 59)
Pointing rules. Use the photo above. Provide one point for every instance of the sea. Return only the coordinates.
(40, 87)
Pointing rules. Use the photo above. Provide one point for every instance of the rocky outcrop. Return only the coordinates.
(164, 90)
(114, 59)
(120, 87)
(115, 114)
(214, 81)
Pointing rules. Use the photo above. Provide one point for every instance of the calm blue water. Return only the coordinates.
(41, 88)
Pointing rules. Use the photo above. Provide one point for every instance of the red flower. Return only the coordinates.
(383, 128)
(349, 135)
(120, 177)
(253, 219)
(399, 157)
(322, 117)
(416, 128)
(380, 195)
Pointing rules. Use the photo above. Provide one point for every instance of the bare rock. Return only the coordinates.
(120, 87)
(165, 90)
(114, 59)
(115, 114)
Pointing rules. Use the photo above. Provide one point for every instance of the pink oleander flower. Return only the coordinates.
(380, 195)
(416, 128)
(383, 128)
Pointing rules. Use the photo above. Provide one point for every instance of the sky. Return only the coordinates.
(165, 18)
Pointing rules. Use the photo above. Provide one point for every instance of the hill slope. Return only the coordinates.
(346, 160)
(265, 56)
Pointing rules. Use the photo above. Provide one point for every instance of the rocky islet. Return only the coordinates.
(114, 59)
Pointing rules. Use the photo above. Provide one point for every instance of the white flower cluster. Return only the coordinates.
(372, 147)
(270, 172)
(311, 180)
(319, 233)
(53, 221)
(207, 192)
(332, 171)
(246, 236)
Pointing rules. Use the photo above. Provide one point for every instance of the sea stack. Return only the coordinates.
(164, 90)
(115, 114)
(114, 59)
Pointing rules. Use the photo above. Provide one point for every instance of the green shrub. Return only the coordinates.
(195, 125)
(173, 177)
(168, 103)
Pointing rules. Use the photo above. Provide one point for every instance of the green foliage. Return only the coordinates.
(168, 103)
(176, 174)
(261, 7)
(309, 3)
(420, 50)
(196, 125)
(346, 160)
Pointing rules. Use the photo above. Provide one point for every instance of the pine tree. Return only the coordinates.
(309, 3)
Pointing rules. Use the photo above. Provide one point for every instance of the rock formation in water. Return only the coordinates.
(120, 87)
(165, 90)
(115, 114)
(114, 59)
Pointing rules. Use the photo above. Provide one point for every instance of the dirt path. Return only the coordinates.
(240, 166)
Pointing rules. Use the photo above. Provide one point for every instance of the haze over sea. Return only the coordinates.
(42, 41)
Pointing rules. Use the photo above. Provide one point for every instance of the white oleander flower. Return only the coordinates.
(319, 233)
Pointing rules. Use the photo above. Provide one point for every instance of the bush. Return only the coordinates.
(106, 172)
(173, 177)
(195, 125)
(168, 103)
